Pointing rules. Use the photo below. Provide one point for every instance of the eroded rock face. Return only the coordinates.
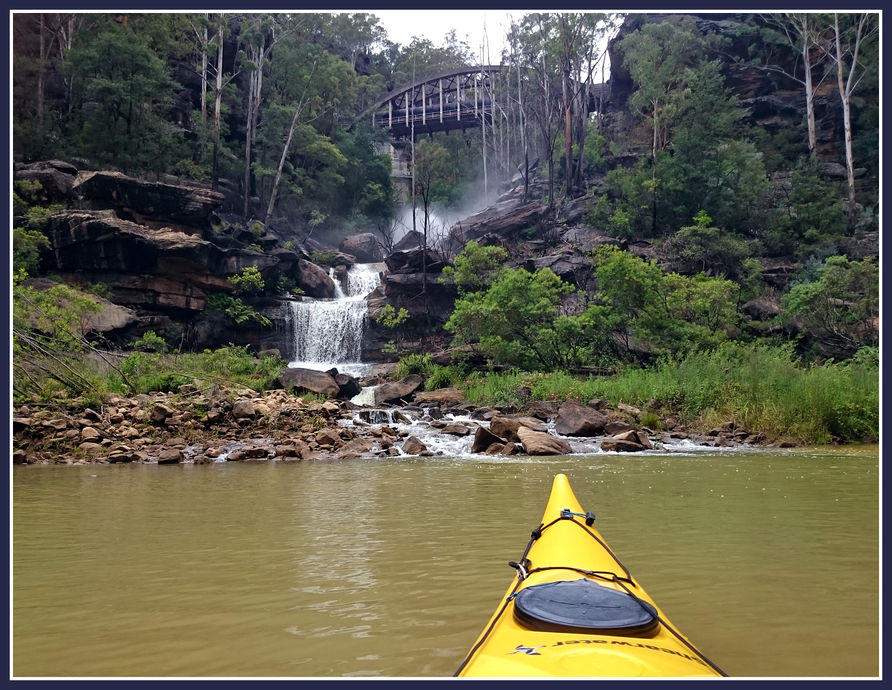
(145, 267)
(148, 202)
(505, 220)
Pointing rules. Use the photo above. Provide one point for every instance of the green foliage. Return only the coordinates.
(762, 389)
(57, 317)
(414, 363)
(840, 309)
(26, 248)
(475, 267)
(813, 217)
(287, 285)
(323, 258)
(663, 312)
(156, 371)
(48, 339)
(125, 90)
(248, 281)
(515, 322)
(702, 247)
(236, 309)
(389, 317)
(147, 374)
(451, 376)
(149, 342)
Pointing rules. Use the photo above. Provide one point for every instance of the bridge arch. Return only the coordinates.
(441, 102)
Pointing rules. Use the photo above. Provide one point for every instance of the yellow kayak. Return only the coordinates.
(574, 610)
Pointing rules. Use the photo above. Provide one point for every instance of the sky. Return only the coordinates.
(469, 25)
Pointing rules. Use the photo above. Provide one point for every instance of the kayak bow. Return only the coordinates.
(575, 610)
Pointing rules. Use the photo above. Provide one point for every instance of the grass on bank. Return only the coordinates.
(763, 389)
(91, 378)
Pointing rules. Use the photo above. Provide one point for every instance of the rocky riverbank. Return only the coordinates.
(202, 425)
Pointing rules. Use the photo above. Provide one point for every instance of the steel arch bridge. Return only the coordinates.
(439, 103)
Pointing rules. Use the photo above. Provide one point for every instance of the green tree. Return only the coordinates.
(248, 281)
(657, 56)
(658, 313)
(705, 248)
(812, 218)
(513, 322)
(840, 309)
(475, 267)
(123, 91)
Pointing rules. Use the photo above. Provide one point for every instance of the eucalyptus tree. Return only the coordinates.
(537, 33)
(219, 30)
(580, 36)
(259, 33)
(855, 42)
(805, 33)
(656, 56)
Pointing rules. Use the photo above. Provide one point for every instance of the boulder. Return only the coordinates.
(505, 427)
(328, 437)
(483, 439)
(365, 247)
(574, 419)
(628, 442)
(348, 385)
(543, 409)
(395, 391)
(415, 261)
(506, 220)
(170, 456)
(56, 178)
(413, 446)
(302, 379)
(314, 280)
(410, 240)
(243, 409)
(541, 443)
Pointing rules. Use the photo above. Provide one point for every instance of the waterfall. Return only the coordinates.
(328, 333)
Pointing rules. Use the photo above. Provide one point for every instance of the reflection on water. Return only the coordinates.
(390, 568)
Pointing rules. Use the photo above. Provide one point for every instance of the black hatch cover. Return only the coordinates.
(582, 605)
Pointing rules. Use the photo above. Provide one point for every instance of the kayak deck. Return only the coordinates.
(574, 610)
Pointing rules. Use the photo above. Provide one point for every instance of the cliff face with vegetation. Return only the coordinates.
(700, 167)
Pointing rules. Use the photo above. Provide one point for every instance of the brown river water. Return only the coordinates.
(767, 560)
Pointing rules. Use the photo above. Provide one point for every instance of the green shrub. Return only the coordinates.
(249, 281)
(414, 363)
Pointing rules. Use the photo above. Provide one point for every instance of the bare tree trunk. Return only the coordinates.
(846, 87)
(809, 89)
(272, 196)
(40, 73)
(218, 101)
(568, 135)
(523, 137)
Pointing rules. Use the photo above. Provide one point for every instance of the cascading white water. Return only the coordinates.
(328, 332)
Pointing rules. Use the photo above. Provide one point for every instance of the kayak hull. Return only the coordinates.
(584, 638)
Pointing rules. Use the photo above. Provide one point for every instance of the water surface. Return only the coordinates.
(390, 568)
